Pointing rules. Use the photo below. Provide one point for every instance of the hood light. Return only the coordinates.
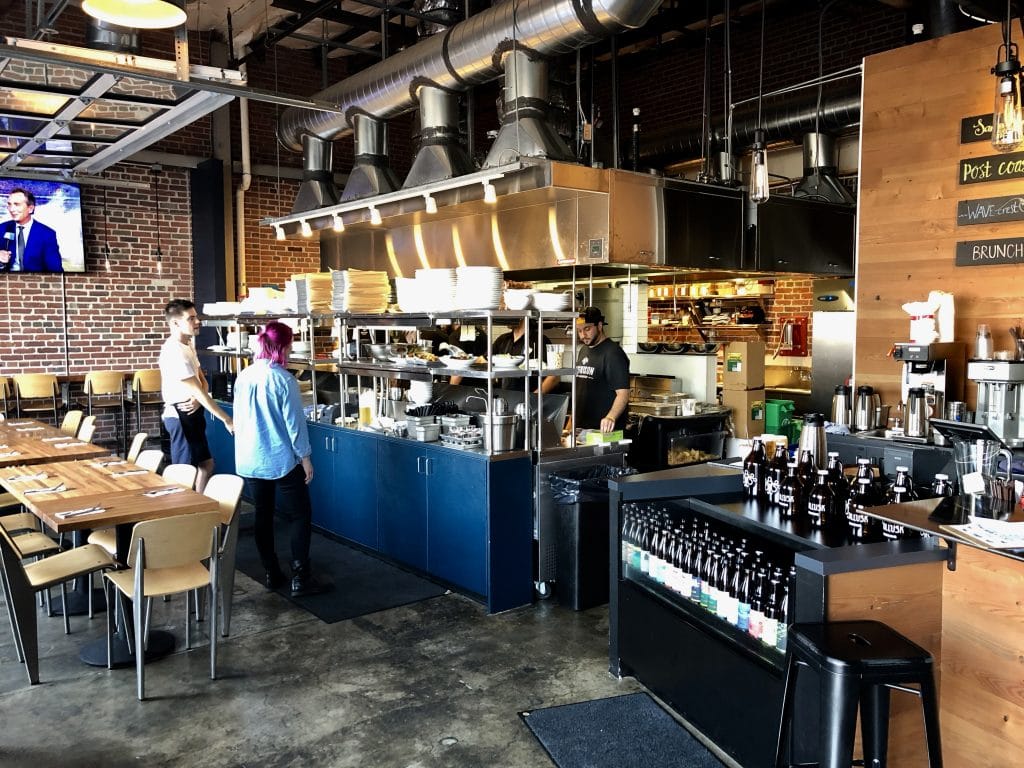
(307, 231)
(339, 223)
(375, 218)
(431, 203)
(490, 193)
(280, 231)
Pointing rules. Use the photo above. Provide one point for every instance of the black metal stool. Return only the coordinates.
(858, 661)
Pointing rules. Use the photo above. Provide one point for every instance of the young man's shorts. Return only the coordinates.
(188, 438)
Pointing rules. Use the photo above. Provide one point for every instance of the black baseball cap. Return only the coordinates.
(592, 316)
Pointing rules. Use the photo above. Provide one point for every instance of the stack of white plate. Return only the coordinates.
(551, 302)
(408, 294)
(478, 287)
(436, 289)
(420, 392)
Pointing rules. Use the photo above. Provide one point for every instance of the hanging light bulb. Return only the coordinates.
(307, 231)
(759, 169)
(280, 231)
(339, 224)
(431, 203)
(1007, 120)
(490, 193)
(375, 218)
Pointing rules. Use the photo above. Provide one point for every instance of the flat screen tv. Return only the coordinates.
(53, 242)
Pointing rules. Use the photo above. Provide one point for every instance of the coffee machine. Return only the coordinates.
(1000, 397)
(936, 368)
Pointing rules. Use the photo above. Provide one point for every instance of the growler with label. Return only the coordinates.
(755, 469)
(860, 525)
(901, 490)
(821, 503)
(776, 471)
(791, 493)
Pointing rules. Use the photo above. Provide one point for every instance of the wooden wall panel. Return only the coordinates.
(983, 661)
(914, 98)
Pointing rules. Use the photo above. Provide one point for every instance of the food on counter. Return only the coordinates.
(678, 456)
(423, 354)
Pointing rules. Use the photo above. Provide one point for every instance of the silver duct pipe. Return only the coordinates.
(104, 36)
(820, 181)
(317, 188)
(370, 173)
(467, 54)
(525, 131)
(441, 155)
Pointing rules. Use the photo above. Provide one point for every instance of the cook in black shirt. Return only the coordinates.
(512, 343)
(602, 376)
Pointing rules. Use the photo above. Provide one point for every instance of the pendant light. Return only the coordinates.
(1007, 121)
(759, 191)
(137, 14)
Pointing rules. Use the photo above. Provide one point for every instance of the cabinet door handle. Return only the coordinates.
(428, 466)
(419, 469)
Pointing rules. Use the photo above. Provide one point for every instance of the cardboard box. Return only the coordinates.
(743, 365)
(747, 411)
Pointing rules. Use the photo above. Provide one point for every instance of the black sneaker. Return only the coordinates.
(275, 579)
(307, 584)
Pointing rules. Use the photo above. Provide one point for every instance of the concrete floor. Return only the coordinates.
(437, 683)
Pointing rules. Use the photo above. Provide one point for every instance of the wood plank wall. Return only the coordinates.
(914, 99)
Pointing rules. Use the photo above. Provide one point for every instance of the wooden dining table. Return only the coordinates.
(70, 496)
(27, 441)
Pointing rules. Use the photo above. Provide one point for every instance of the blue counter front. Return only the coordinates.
(461, 517)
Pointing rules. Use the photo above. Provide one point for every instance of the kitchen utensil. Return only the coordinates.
(842, 405)
(916, 414)
(812, 438)
(983, 492)
(864, 407)
(499, 430)
(956, 410)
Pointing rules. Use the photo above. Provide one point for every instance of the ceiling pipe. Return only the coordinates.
(468, 54)
(441, 154)
(370, 173)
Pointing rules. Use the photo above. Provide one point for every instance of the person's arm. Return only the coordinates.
(51, 251)
(199, 394)
(548, 383)
(295, 423)
(619, 406)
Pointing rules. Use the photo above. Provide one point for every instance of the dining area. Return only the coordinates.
(73, 516)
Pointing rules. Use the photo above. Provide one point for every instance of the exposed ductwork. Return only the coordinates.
(104, 36)
(468, 54)
(441, 155)
(370, 174)
(820, 181)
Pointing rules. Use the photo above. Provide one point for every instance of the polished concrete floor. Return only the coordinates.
(437, 683)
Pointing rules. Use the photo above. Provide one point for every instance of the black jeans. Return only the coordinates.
(294, 506)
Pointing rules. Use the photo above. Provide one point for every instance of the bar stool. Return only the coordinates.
(35, 394)
(145, 391)
(105, 390)
(858, 661)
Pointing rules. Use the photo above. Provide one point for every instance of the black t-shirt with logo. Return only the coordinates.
(600, 370)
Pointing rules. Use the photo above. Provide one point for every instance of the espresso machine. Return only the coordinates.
(936, 368)
(1000, 397)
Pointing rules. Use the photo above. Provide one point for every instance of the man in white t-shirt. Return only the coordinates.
(185, 393)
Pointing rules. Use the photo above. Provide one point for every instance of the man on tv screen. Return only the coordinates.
(27, 245)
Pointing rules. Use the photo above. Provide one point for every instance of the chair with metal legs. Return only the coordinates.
(105, 390)
(36, 394)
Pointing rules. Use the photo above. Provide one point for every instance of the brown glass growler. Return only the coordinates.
(837, 479)
(776, 471)
(860, 525)
(791, 493)
(806, 469)
(821, 503)
(755, 468)
(942, 487)
(901, 490)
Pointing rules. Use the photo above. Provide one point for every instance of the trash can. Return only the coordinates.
(582, 567)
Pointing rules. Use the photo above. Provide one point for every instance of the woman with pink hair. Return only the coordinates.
(272, 453)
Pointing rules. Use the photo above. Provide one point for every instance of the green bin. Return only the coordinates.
(778, 419)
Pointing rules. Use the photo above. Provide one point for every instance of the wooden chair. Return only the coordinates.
(151, 460)
(182, 474)
(5, 397)
(21, 582)
(88, 429)
(138, 443)
(36, 394)
(105, 390)
(167, 557)
(72, 422)
(227, 490)
(145, 391)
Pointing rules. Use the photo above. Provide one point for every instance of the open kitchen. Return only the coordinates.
(812, 272)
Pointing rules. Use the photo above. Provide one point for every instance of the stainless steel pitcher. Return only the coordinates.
(842, 406)
(917, 413)
(864, 408)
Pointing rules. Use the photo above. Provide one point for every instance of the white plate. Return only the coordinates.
(455, 362)
(507, 361)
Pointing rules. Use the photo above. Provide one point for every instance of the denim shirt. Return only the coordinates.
(270, 427)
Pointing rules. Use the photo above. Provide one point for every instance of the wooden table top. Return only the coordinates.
(26, 441)
(116, 489)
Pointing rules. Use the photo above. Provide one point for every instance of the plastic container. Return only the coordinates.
(778, 417)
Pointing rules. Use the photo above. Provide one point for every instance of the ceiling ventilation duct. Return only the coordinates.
(317, 188)
(370, 174)
(525, 130)
(820, 181)
(441, 155)
(468, 54)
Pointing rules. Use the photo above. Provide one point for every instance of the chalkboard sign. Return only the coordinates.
(976, 128)
(985, 210)
(976, 253)
(975, 170)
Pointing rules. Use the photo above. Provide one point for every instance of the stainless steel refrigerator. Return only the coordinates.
(833, 330)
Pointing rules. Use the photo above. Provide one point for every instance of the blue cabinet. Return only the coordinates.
(402, 501)
(221, 442)
(457, 519)
(344, 487)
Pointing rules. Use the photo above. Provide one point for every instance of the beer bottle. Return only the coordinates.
(628, 519)
(821, 502)
(743, 600)
(724, 577)
(790, 493)
(755, 467)
(757, 603)
(836, 478)
(805, 468)
(698, 570)
(902, 488)
(770, 628)
(783, 620)
(942, 487)
(860, 525)
(776, 471)
(645, 546)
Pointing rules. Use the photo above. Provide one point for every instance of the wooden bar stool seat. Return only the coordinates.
(857, 662)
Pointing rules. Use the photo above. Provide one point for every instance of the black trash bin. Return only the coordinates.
(582, 567)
